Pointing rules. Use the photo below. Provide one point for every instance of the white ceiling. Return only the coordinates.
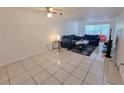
(92, 13)
(88, 13)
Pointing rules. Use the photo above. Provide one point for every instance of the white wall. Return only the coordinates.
(70, 28)
(24, 34)
(120, 44)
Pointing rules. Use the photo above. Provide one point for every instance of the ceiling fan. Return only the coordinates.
(50, 11)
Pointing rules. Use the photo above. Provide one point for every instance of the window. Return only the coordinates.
(102, 29)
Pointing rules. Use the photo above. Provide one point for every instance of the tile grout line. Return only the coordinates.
(29, 75)
(52, 75)
(69, 75)
(65, 71)
(72, 72)
(8, 75)
(18, 74)
(9, 79)
(43, 69)
(89, 69)
(48, 72)
(37, 73)
(61, 68)
(76, 68)
(15, 75)
(49, 78)
(103, 74)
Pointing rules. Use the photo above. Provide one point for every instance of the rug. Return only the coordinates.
(88, 50)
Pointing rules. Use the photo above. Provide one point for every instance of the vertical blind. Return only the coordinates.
(102, 29)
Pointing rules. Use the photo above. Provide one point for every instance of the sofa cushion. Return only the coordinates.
(73, 41)
(69, 36)
(77, 37)
(91, 37)
(68, 41)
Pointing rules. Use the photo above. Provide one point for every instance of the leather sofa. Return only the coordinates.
(93, 39)
(68, 41)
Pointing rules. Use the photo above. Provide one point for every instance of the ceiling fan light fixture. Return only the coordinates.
(51, 9)
(49, 15)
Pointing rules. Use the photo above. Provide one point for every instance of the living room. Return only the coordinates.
(28, 37)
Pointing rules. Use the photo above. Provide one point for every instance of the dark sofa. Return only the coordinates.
(68, 41)
(93, 39)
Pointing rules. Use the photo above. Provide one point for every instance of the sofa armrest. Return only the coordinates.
(67, 43)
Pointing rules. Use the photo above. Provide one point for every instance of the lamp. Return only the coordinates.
(58, 37)
(49, 15)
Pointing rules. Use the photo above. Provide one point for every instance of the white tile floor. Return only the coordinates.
(65, 67)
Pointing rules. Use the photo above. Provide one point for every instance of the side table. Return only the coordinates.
(56, 45)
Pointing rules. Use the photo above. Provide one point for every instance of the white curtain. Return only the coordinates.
(102, 29)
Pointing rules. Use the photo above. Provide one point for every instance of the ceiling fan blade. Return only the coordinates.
(40, 11)
(56, 9)
(58, 13)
